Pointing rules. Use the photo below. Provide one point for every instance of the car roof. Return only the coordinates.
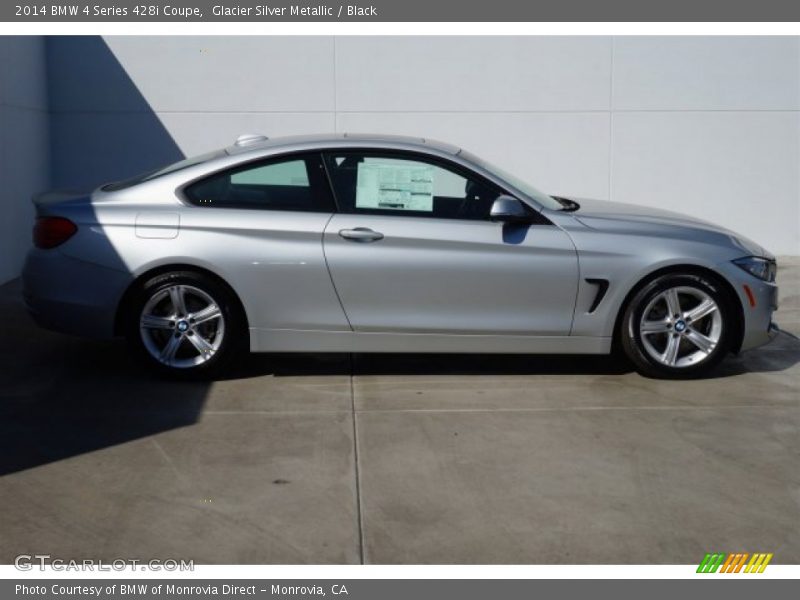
(256, 142)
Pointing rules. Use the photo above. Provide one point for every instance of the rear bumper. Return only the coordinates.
(72, 296)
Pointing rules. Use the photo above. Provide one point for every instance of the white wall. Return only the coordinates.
(709, 126)
(24, 154)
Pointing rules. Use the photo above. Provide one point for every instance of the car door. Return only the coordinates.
(412, 250)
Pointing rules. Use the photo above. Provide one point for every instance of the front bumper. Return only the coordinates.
(72, 296)
(759, 301)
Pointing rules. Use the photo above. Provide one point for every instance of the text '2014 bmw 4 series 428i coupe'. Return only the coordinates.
(363, 243)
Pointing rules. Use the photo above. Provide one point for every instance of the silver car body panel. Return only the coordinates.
(430, 285)
(468, 277)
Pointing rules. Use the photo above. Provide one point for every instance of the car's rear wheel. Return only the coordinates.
(185, 324)
(678, 326)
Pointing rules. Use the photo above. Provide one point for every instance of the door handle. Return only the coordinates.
(361, 234)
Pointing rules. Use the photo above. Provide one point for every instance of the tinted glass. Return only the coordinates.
(377, 183)
(291, 183)
(292, 173)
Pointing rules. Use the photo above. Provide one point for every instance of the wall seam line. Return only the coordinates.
(335, 90)
(611, 122)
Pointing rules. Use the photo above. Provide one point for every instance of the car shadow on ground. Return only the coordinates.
(61, 396)
(82, 396)
(779, 355)
(783, 353)
(78, 396)
(293, 365)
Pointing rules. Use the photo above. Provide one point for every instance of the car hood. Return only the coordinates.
(606, 215)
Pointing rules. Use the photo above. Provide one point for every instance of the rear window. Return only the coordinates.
(295, 183)
(149, 175)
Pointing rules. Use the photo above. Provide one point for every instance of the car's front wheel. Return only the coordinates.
(677, 326)
(185, 324)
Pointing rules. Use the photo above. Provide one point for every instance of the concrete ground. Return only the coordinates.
(396, 459)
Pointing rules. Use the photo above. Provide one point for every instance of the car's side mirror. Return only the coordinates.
(507, 209)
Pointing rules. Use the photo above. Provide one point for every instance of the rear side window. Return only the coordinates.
(292, 183)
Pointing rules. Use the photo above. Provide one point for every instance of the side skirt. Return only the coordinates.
(293, 340)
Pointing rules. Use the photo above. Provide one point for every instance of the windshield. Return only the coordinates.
(523, 186)
(182, 164)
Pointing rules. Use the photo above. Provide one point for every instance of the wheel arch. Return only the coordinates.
(125, 301)
(690, 269)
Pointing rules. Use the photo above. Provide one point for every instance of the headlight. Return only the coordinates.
(762, 268)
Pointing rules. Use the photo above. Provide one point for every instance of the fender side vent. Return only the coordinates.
(602, 288)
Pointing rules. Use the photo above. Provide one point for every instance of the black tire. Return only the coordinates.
(230, 325)
(695, 365)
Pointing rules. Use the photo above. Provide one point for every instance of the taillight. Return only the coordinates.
(50, 232)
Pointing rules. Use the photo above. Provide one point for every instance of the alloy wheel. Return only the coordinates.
(182, 326)
(681, 326)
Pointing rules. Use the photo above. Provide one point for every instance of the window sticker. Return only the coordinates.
(395, 186)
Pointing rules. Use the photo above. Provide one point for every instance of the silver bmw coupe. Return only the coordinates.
(362, 243)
